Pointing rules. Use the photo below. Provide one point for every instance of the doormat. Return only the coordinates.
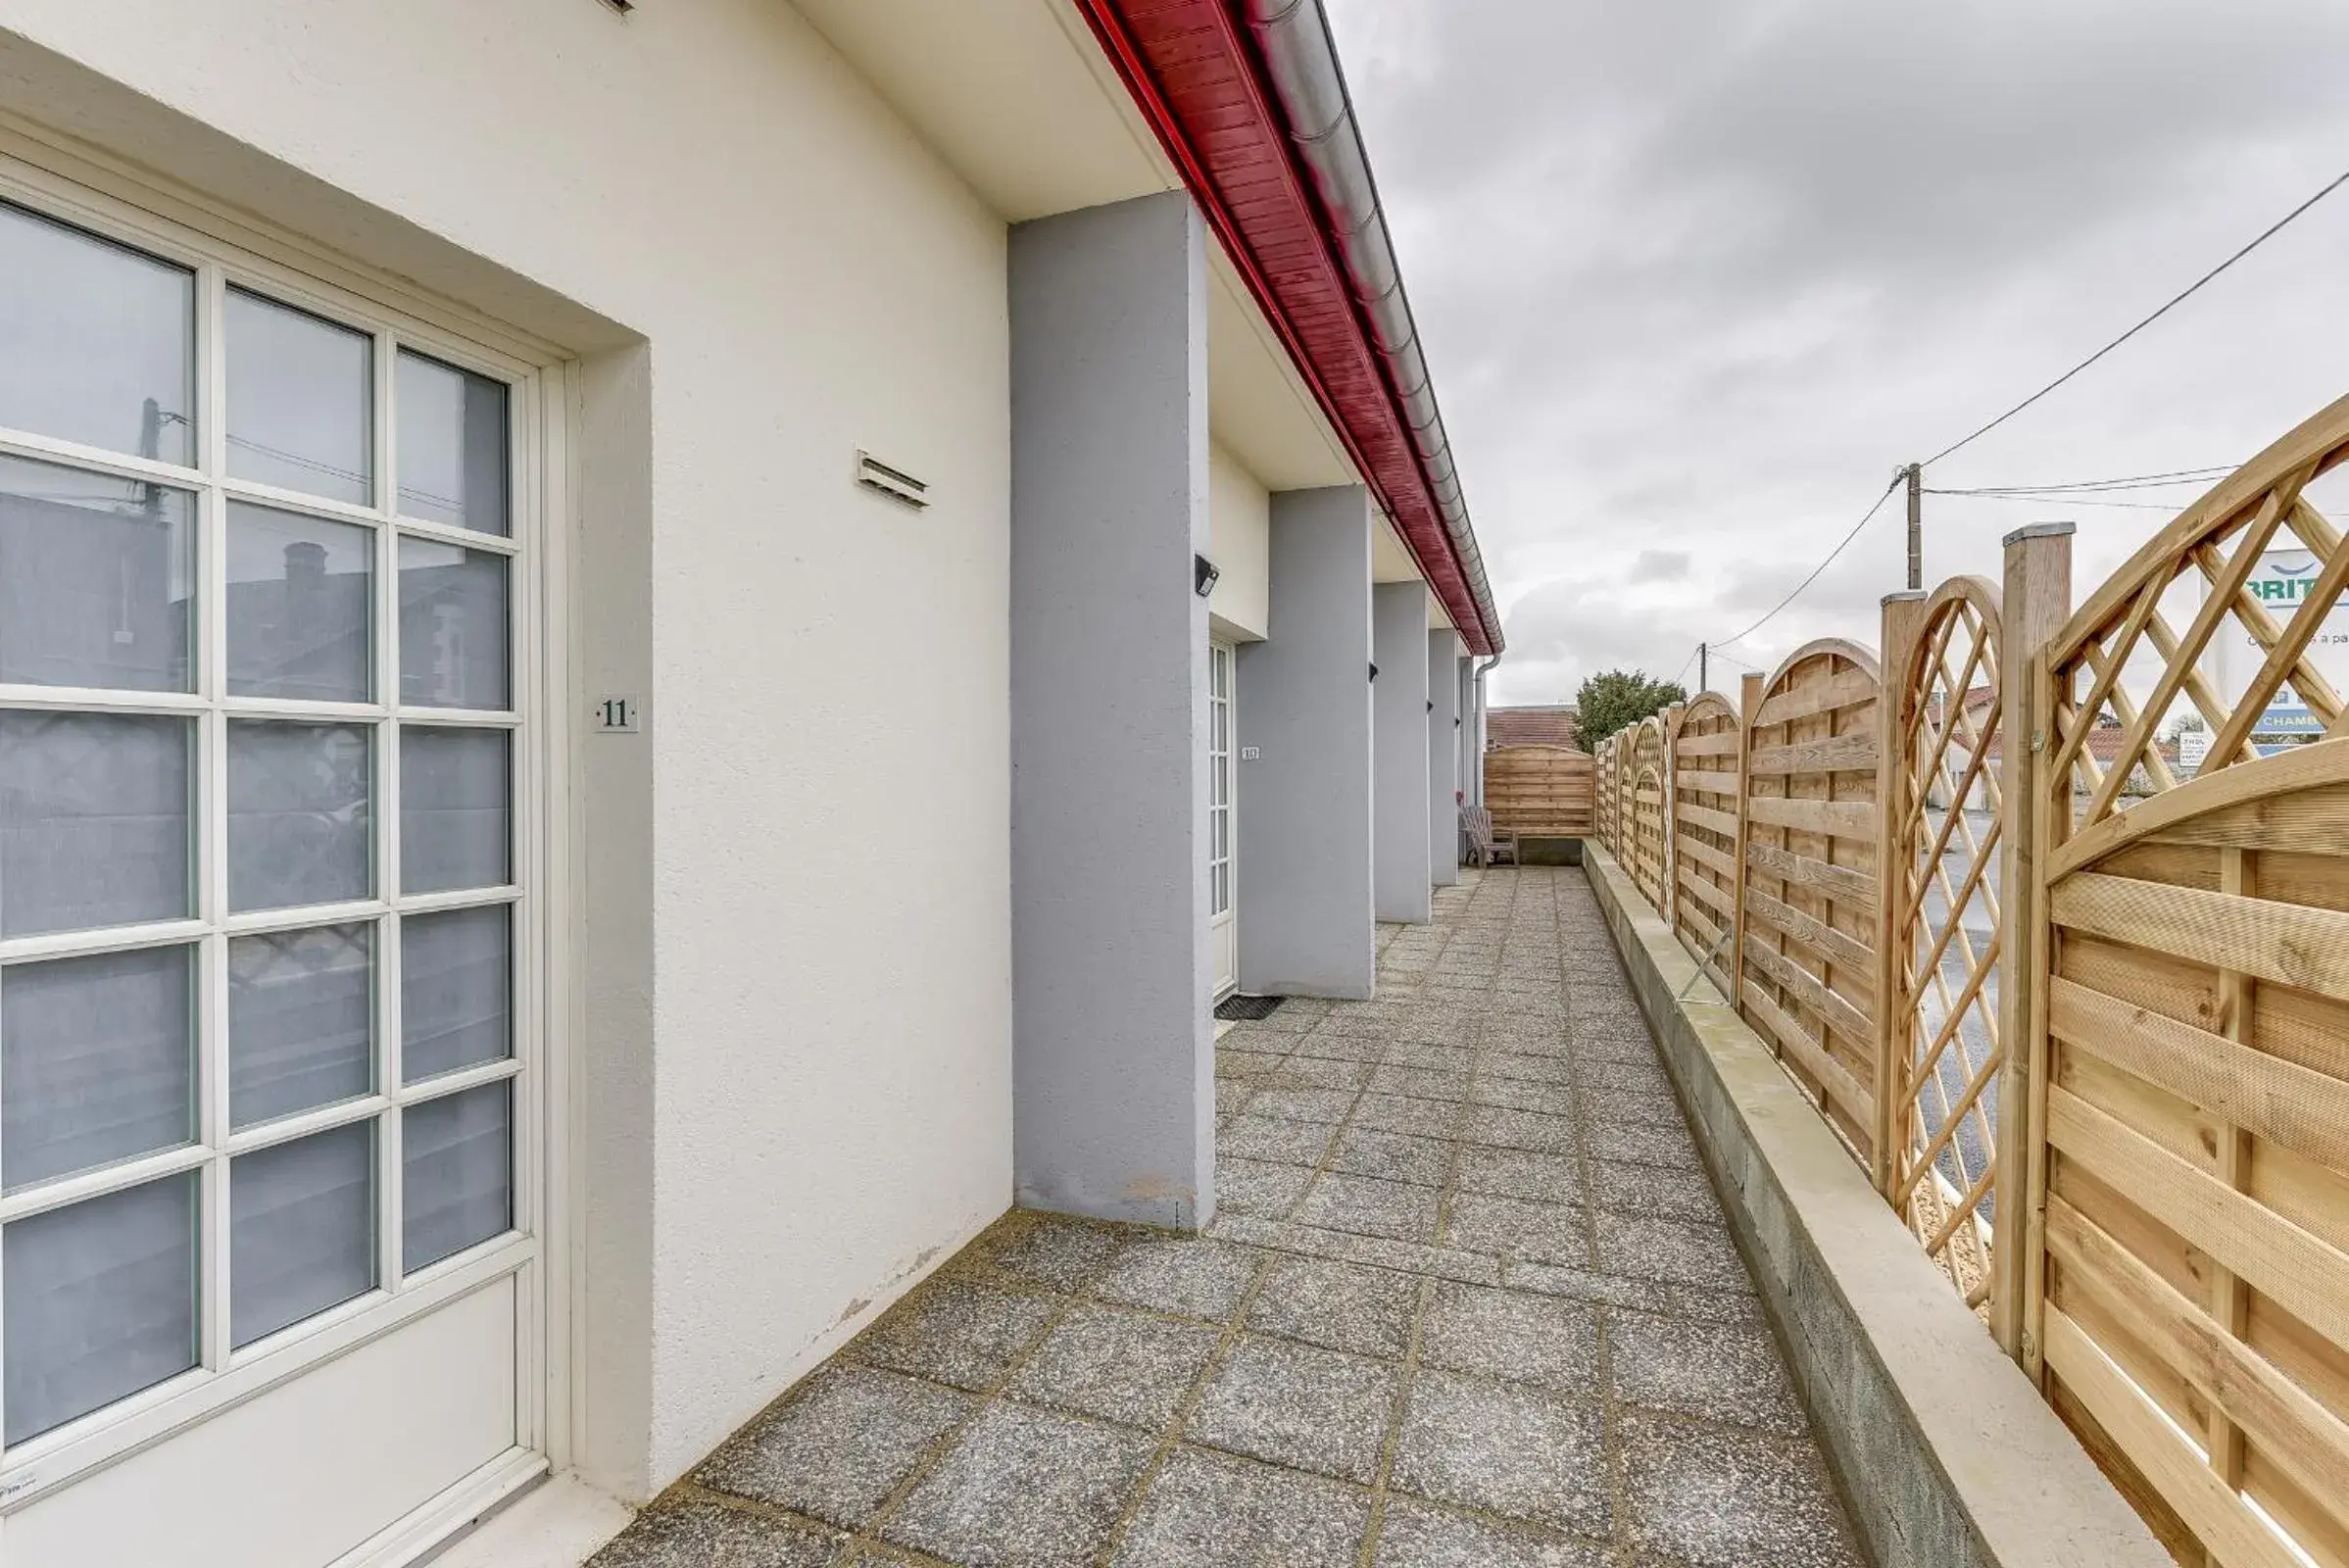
(1238, 1009)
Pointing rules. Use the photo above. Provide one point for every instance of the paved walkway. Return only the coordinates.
(1470, 1305)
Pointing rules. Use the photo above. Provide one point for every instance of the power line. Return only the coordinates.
(1865, 519)
(2072, 500)
(2133, 481)
(2173, 302)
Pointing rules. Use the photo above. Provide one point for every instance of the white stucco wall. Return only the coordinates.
(1239, 513)
(826, 750)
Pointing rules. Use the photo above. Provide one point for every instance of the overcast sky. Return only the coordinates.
(1696, 277)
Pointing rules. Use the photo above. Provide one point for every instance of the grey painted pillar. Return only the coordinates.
(1113, 1109)
(1301, 719)
(1444, 756)
(1398, 633)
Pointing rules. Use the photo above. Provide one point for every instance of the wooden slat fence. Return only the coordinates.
(1540, 791)
(1645, 841)
(1707, 749)
(1807, 960)
(2186, 1289)
(2080, 1010)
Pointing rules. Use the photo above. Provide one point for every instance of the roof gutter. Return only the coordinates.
(1270, 155)
(1301, 60)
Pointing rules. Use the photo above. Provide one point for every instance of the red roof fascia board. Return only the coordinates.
(1197, 79)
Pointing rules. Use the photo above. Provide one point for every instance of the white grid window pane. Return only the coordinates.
(97, 341)
(99, 1303)
(94, 820)
(298, 804)
(301, 1229)
(458, 1152)
(452, 626)
(95, 574)
(456, 795)
(97, 1061)
(192, 601)
(453, 458)
(456, 990)
(300, 1020)
(300, 606)
(301, 399)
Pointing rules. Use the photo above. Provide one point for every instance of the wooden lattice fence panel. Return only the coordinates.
(1540, 791)
(1944, 1060)
(2186, 1288)
(1602, 793)
(1704, 821)
(1808, 973)
(1645, 769)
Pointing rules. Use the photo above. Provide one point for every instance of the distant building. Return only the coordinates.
(1548, 724)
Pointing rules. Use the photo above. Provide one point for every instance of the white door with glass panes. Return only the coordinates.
(269, 1075)
(1223, 922)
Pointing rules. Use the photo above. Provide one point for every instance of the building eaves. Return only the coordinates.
(1268, 151)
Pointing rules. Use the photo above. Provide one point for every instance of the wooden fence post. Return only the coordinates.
(1749, 701)
(1671, 874)
(2033, 605)
(1902, 619)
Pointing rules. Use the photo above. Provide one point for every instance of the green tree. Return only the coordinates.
(1619, 697)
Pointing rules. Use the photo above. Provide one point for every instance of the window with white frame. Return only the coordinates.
(1219, 778)
(261, 902)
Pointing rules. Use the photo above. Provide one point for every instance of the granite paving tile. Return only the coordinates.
(1366, 1205)
(1642, 1143)
(1726, 1372)
(1395, 1157)
(1259, 1187)
(957, 1332)
(1340, 1306)
(1207, 1511)
(1717, 1497)
(1654, 1189)
(1059, 1253)
(1117, 1364)
(1540, 1233)
(692, 1532)
(1301, 1105)
(1023, 1489)
(1653, 1248)
(1299, 1405)
(1400, 1114)
(842, 1442)
(1274, 1139)
(1513, 1335)
(1500, 1128)
(1521, 1173)
(1196, 1277)
(1421, 1535)
(1506, 1448)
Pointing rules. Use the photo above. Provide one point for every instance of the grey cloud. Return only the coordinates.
(1651, 564)
(1694, 278)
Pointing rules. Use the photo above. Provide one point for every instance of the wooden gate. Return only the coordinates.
(1704, 822)
(1808, 978)
(2186, 1288)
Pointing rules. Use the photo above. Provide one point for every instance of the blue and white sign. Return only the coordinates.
(2281, 582)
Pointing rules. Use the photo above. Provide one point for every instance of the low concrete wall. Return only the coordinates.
(1947, 1455)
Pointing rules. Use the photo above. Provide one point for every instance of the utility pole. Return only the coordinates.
(1914, 474)
(1704, 681)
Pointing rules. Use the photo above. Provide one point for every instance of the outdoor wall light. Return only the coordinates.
(1203, 574)
(1374, 673)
